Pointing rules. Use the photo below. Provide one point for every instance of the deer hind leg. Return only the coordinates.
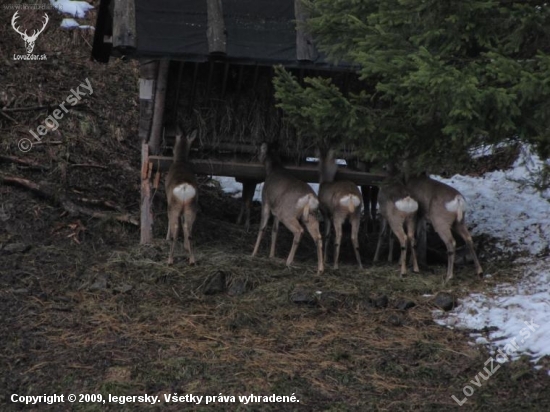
(173, 228)
(444, 232)
(354, 220)
(328, 226)
(274, 231)
(190, 214)
(265, 218)
(396, 225)
(465, 234)
(313, 228)
(381, 235)
(390, 246)
(409, 222)
(294, 226)
(337, 221)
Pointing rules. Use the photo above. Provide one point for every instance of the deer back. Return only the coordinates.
(282, 190)
(433, 196)
(394, 197)
(332, 193)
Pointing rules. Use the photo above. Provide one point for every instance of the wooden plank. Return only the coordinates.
(146, 213)
(160, 100)
(216, 27)
(147, 75)
(249, 149)
(305, 49)
(256, 171)
(124, 26)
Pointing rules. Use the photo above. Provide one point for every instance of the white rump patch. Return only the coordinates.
(184, 192)
(407, 205)
(346, 200)
(456, 205)
(309, 199)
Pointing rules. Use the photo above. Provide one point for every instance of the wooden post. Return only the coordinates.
(146, 216)
(216, 27)
(305, 50)
(147, 73)
(124, 25)
(160, 98)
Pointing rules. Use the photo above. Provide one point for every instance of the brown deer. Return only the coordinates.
(397, 209)
(291, 201)
(181, 195)
(340, 200)
(444, 207)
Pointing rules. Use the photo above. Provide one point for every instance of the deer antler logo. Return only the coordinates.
(29, 40)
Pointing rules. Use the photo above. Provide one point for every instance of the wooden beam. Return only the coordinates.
(216, 27)
(147, 75)
(146, 212)
(305, 49)
(160, 99)
(256, 171)
(124, 26)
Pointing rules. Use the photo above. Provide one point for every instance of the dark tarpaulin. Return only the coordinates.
(172, 27)
(260, 29)
(256, 30)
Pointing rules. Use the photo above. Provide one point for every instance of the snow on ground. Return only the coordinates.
(518, 217)
(77, 9)
(74, 8)
(73, 24)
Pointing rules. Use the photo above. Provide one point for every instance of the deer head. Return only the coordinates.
(29, 40)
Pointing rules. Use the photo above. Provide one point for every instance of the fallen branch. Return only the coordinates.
(31, 108)
(105, 203)
(25, 109)
(8, 117)
(88, 165)
(55, 195)
(24, 162)
(47, 142)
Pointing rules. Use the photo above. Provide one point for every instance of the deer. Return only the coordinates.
(340, 200)
(181, 195)
(444, 207)
(398, 210)
(290, 201)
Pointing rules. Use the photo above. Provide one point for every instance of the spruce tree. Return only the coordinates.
(439, 76)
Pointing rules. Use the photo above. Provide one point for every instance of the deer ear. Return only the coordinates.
(263, 152)
(191, 138)
(263, 149)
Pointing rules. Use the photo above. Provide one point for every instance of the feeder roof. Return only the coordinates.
(261, 32)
